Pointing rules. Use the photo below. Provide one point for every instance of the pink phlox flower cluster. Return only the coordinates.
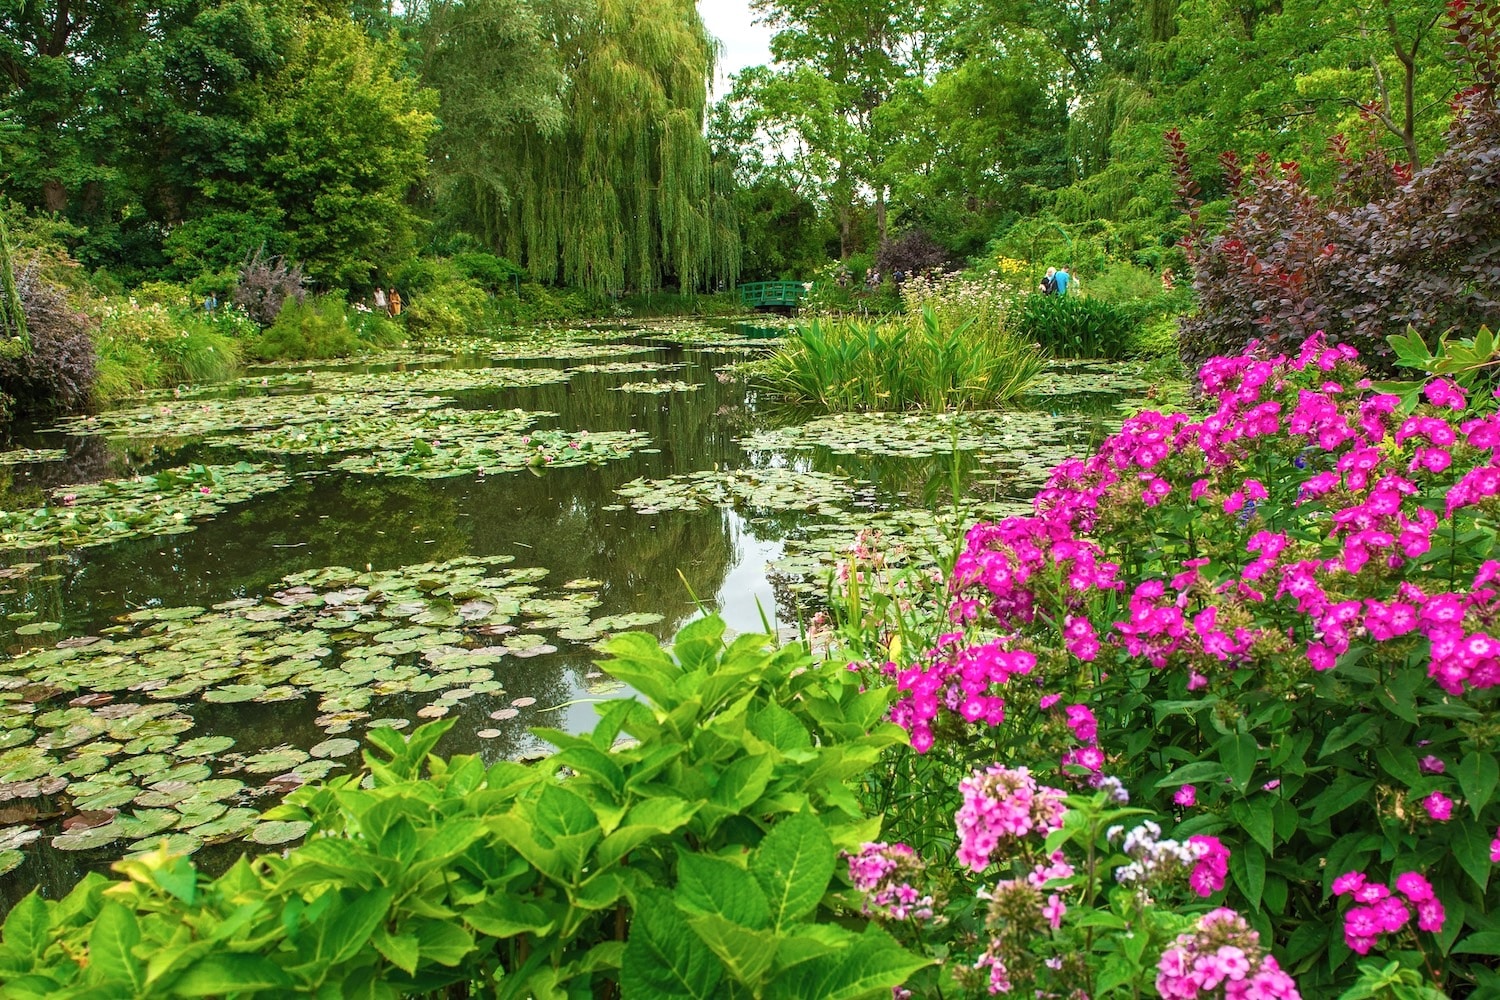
(885, 873)
(1055, 868)
(1001, 804)
(1495, 849)
(1446, 394)
(1384, 911)
(1439, 807)
(1202, 861)
(1212, 864)
(960, 679)
(1222, 957)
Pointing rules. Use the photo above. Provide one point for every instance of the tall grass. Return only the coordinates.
(145, 346)
(926, 360)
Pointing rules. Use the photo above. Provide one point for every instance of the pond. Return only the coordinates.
(207, 597)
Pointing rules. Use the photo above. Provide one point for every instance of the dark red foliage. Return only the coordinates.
(1389, 249)
(913, 252)
(59, 372)
(265, 284)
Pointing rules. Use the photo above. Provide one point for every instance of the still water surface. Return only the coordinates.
(569, 522)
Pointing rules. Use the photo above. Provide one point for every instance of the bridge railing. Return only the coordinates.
(755, 294)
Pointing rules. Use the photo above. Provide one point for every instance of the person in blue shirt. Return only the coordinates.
(1062, 279)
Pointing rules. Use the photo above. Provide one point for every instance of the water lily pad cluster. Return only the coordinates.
(626, 367)
(478, 451)
(654, 387)
(909, 435)
(97, 730)
(773, 489)
(563, 349)
(115, 509)
(25, 456)
(386, 431)
(1069, 378)
(910, 538)
(210, 418)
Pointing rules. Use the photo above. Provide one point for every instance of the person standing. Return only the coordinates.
(1062, 279)
(395, 302)
(1049, 282)
(380, 300)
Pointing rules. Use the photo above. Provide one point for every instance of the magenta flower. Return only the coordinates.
(1431, 764)
(1439, 807)
(1186, 796)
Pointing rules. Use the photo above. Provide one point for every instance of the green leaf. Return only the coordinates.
(441, 941)
(27, 930)
(1248, 866)
(747, 952)
(742, 782)
(1477, 775)
(1483, 943)
(714, 886)
(114, 934)
(1345, 791)
(868, 969)
(663, 957)
(1239, 753)
(501, 916)
(780, 728)
(230, 973)
(640, 662)
(1471, 846)
(401, 950)
(1256, 816)
(793, 865)
(350, 926)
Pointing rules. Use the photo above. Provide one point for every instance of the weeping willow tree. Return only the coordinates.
(582, 155)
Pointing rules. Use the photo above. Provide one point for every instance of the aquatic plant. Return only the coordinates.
(917, 362)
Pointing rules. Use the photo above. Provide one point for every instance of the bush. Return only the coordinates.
(455, 308)
(913, 252)
(266, 285)
(1272, 622)
(1387, 251)
(321, 328)
(698, 858)
(59, 371)
(1072, 326)
(494, 274)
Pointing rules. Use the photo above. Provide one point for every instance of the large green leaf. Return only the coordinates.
(714, 886)
(1477, 775)
(664, 958)
(114, 934)
(227, 973)
(793, 865)
(868, 970)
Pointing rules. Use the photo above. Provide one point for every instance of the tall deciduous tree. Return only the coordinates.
(585, 157)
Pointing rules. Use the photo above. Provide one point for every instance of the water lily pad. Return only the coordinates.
(487, 734)
(231, 824)
(38, 628)
(231, 693)
(204, 746)
(179, 844)
(501, 714)
(10, 860)
(88, 839)
(278, 832)
(335, 748)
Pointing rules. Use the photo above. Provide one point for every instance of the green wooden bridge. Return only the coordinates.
(773, 294)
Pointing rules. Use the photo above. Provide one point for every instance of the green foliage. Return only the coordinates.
(921, 361)
(1072, 326)
(322, 327)
(695, 860)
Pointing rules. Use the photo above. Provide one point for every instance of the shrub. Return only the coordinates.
(1072, 326)
(1424, 251)
(59, 370)
(494, 274)
(913, 252)
(1274, 622)
(696, 859)
(265, 285)
(311, 329)
(455, 308)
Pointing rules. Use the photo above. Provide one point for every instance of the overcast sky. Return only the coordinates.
(745, 43)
